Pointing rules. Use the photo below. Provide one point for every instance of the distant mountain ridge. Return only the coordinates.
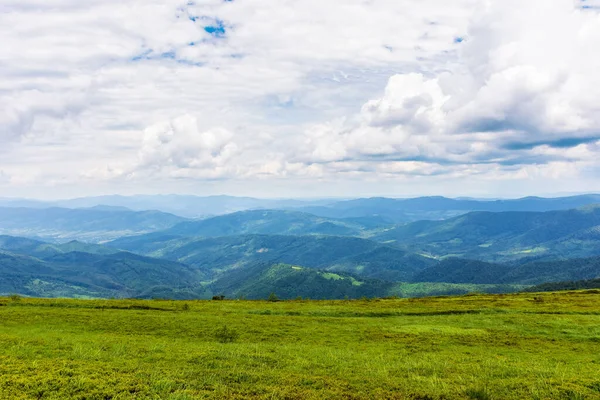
(503, 236)
(343, 254)
(569, 285)
(47, 270)
(253, 266)
(436, 208)
(94, 224)
(487, 236)
(290, 282)
(186, 206)
(35, 268)
(391, 209)
(533, 273)
(360, 252)
(278, 222)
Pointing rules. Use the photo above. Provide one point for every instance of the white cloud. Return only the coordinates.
(179, 146)
(113, 91)
(18, 113)
(523, 79)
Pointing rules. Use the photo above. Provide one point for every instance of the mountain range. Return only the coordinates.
(120, 252)
(95, 224)
(389, 209)
(504, 236)
(77, 269)
(182, 205)
(436, 208)
(342, 254)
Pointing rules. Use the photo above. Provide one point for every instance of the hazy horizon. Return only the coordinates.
(305, 99)
(313, 198)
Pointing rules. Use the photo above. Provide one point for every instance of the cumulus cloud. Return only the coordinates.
(522, 88)
(528, 66)
(178, 148)
(18, 113)
(379, 91)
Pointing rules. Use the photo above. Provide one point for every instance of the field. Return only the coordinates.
(521, 346)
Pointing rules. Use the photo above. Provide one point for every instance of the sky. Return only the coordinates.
(299, 98)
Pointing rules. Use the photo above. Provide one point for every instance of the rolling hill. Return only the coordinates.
(503, 236)
(93, 225)
(252, 253)
(389, 209)
(187, 206)
(533, 273)
(272, 222)
(56, 271)
(436, 208)
(290, 282)
(48, 270)
(36, 248)
(344, 254)
(568, 285)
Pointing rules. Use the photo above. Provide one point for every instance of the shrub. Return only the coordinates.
(185, 307)
(480, 393)
(226, 335)
(538, 299)
(15, 297)
(219, 297)
(273, 297)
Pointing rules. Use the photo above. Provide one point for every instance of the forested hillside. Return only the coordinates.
(257, 252)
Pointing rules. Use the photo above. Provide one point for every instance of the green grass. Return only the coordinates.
(520, 346)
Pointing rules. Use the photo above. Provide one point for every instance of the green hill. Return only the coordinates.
(503, 236)
(569, 285)
(274, 222)
(291, 282)
(487, 236)
(92, 225)
(36, 248)
(54, 270)
(58, 272)
(344, 254)
(533, 273)
(436, 207)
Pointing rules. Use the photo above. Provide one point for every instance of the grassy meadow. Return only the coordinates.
(517, 346)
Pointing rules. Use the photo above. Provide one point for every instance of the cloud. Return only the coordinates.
(178, 148)
(311, 93)
(523, 80)
(19, 113)
(410, 101)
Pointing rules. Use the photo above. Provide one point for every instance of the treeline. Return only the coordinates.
(570, 285)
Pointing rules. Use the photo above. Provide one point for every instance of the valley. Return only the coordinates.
(114, 252)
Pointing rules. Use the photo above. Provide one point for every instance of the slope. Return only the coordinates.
(290, 282)
(272, 222)
(37, 248)
(503, 236)
(55, 272)
(533, 273)
(435, 208)
(569, 285)
(85, 224)
(352, 255)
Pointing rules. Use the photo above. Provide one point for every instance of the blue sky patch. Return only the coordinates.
(150, 55)
(217, 29)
